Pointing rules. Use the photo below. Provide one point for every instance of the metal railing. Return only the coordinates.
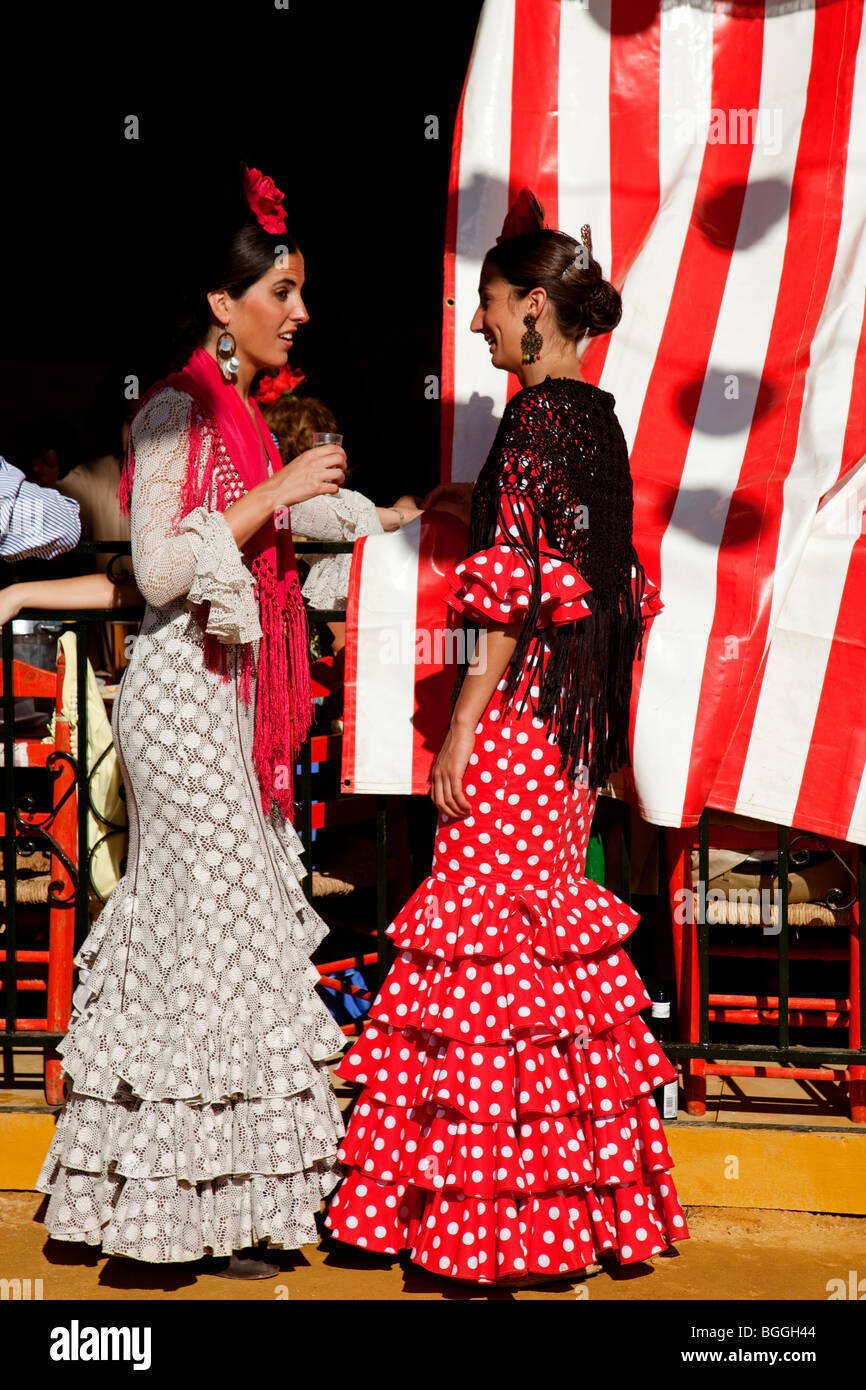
(782, 1051)
(21, 835)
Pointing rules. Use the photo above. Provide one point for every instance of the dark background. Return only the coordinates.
(328, 99)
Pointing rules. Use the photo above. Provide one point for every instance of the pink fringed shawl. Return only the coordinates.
(283, 699)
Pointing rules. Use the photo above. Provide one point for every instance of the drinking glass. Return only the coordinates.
(320, 437)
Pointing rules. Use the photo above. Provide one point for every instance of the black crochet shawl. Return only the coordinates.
(560, 447)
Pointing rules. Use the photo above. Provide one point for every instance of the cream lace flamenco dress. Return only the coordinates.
(201, 1118)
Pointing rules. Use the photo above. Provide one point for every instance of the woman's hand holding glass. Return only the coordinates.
(319, 470)
(313, 473)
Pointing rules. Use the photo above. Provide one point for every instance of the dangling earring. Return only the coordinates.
(226, 350)
(532, 342)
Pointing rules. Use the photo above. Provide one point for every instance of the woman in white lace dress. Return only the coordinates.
(200, 1118)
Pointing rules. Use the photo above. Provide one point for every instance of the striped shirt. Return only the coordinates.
(36, 523)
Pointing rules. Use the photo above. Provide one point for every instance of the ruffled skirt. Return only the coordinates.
(506, 1125)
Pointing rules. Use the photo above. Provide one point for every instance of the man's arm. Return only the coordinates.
(36, 523)
(84, 591)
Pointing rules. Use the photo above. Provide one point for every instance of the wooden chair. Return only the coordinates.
(743, 1009)
(53, 983)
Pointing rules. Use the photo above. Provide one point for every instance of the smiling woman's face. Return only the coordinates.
(500, 318)
(265, 318)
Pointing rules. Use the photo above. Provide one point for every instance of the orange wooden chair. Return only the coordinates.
(53, 984)
(748, 1009)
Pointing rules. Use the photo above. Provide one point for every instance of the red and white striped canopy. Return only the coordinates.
(718, 154)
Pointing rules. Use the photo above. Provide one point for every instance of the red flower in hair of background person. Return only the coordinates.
(285, 383)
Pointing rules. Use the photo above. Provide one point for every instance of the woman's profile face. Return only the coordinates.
(266, 317)
(500, 318)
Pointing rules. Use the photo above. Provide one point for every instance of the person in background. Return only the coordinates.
(36, 523)
(51, 448)
(451, 497)
(52, 454)
(341, 516)
(94, 482)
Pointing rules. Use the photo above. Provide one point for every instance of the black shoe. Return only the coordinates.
(248, 1264)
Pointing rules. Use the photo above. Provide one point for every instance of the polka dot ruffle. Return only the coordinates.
(509, 999)
(505, 1237)
(159, 1221)
(451, 920)
(496, 584)
(443, 1152)
(493, 1084)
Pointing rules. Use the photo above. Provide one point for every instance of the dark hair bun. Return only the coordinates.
(591, 305)
(599, 307)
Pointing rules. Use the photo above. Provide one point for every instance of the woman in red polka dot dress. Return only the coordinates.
(507, 1131)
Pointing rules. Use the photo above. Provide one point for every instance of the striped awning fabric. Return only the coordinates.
(717, 151)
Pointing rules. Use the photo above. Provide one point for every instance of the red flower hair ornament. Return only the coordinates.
(525, 215)
(265, 201)
(285, 383)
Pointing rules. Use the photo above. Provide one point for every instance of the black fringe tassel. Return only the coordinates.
(587, 686)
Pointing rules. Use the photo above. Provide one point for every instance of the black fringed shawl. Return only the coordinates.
(560, 449)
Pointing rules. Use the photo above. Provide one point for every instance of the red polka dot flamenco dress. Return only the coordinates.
(506, 1125)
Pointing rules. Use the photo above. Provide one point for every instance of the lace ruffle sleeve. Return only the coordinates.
(337, 516)
(343, 515)
(221, 579)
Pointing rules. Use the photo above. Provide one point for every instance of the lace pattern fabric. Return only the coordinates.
(201, 1117)
(335, 516)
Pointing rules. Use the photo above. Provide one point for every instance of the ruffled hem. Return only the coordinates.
(510, 999)
(599, 1078)
(222, 580)
(162, 1221)
(509, 1073)
(197, 1143)
(496, 583)
(109, 1053)
(109, 1057)
(485, 1239)
(453, 921)
(432, 1147)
